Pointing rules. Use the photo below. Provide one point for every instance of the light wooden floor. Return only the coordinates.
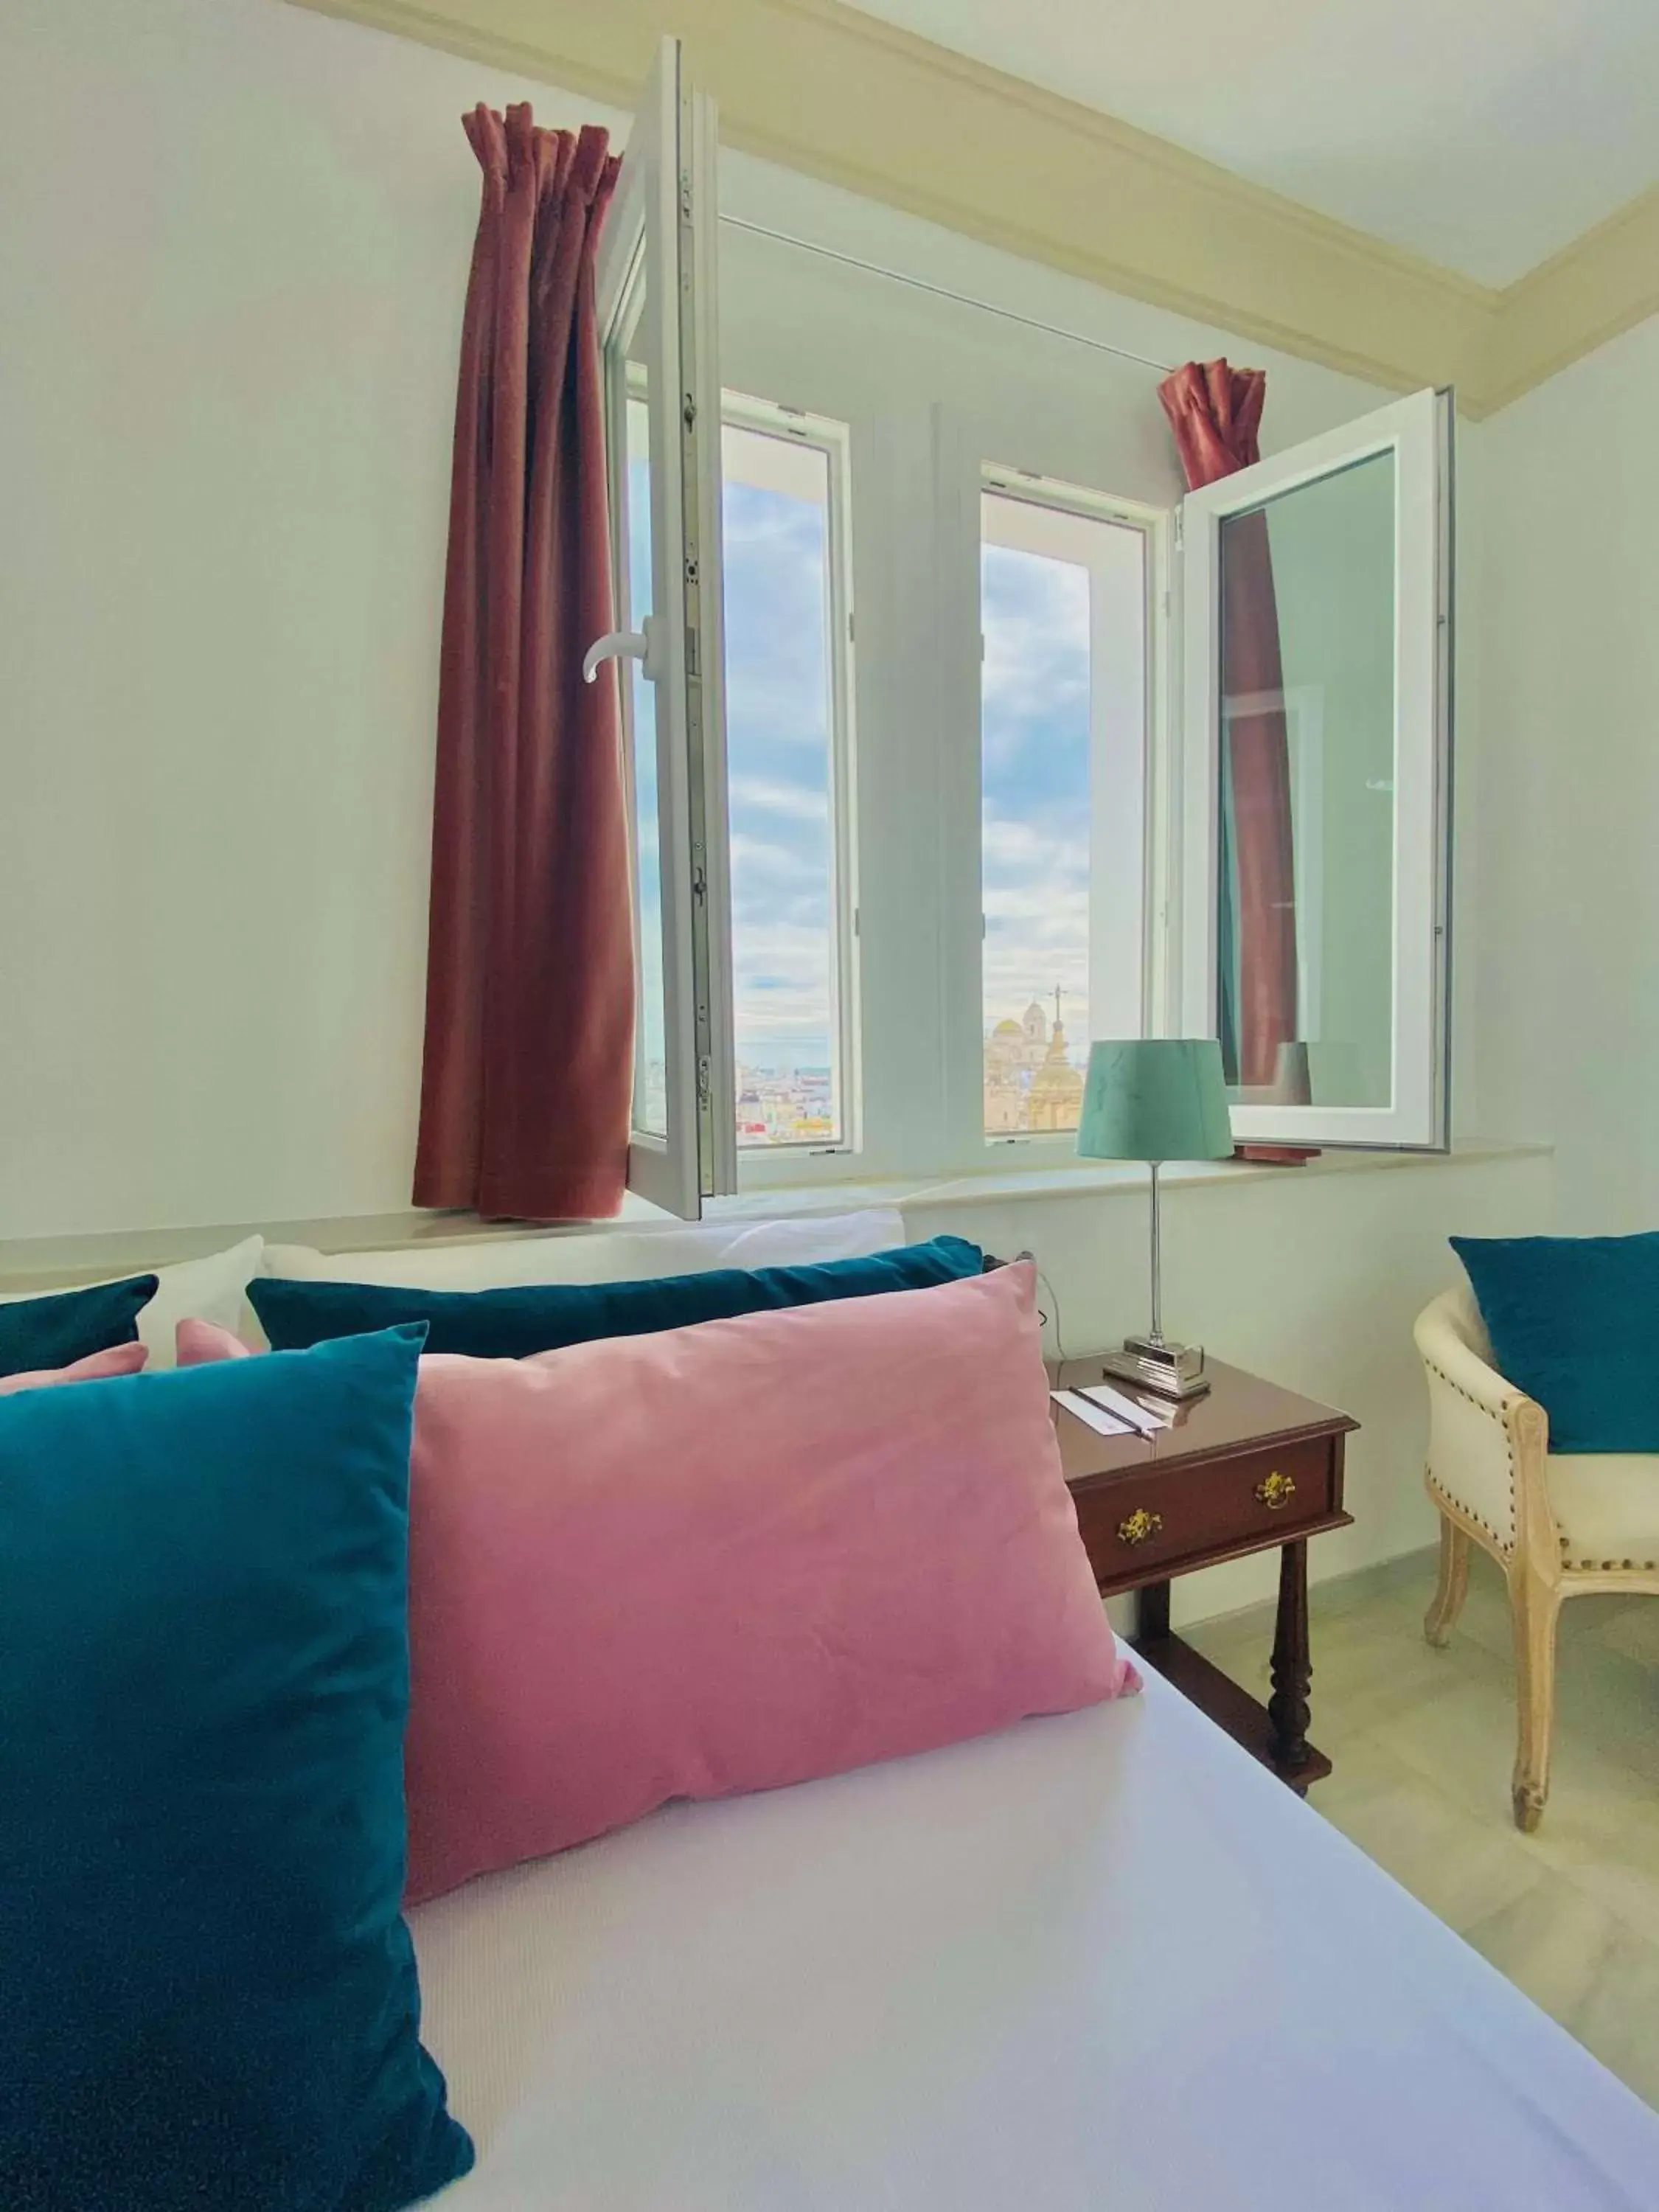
(1423, 1742)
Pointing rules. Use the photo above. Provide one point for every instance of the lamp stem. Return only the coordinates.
(1157, 1266)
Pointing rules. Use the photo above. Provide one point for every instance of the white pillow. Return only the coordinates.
(606, 1256)
(213, 1289)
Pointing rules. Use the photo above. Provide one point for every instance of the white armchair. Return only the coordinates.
(1561, 1525)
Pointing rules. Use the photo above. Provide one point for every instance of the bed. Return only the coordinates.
(1101, 1961)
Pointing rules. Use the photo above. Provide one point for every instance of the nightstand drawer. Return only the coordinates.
(1167, 1517)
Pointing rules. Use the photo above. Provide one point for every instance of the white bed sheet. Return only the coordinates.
(1102, 1961)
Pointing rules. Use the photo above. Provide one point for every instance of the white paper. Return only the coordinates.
(1096, 1417)
(1129, 1411)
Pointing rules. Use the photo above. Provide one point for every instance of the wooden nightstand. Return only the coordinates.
(1247, 1466)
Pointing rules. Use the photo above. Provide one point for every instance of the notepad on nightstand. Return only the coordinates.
(1094, 1417)
(1145, 1420)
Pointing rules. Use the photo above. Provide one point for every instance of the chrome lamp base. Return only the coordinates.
(1173, 1371)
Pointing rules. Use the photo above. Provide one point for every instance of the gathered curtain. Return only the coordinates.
(528, 1062)
(1215, 412)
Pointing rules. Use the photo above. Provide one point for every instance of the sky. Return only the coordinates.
(778, 772)
(1035, 786)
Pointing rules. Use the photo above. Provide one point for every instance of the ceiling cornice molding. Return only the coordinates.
(1183, 169)
(857, 102)
(1599, 286)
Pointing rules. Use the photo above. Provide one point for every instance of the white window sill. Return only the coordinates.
(45, 1262)
(1024, 1185)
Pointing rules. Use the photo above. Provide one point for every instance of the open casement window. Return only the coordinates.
(1314, 781)
(657, 309)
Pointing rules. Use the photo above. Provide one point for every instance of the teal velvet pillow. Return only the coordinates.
(210, 1993)
(70, 1325)
(511, 1324)
(1574, 1323)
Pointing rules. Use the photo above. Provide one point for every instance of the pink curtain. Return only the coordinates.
(524, 1088)
(1215, 412)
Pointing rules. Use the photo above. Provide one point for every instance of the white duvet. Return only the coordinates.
(1102, 1962)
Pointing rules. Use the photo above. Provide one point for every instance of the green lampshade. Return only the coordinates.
(1155, 1098)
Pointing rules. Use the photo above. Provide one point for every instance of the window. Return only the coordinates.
(787, 694)
(1064, 611)
(1039, 862)
(788, 706)
(1315, 757)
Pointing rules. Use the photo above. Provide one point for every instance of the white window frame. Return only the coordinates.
(656, 280)
(767, 1167)
(1417, 432)
(1122, 789)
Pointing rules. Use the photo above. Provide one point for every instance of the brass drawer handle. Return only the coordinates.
(1139, 1526)
(1275, 1490)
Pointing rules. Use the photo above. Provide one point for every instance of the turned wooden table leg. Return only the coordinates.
(1292, 1669)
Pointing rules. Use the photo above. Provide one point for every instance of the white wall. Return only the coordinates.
(236, 243)
(1568, 1022)
(228, 380)
(233, 268)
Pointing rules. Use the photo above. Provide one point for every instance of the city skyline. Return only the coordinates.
(786, 1093)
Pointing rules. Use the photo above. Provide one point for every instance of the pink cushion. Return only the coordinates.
(197, 1342)
(730, 1557)
(118, 1359)
(733, 1556)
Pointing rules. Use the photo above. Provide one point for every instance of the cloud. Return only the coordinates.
(777, 679)
(777, 713)
(1036, 692)
(1026, 849)
(1034, 680)
(777, 709)
(1036, 741)
(781, 982)
(796, 802)
(1036, 900)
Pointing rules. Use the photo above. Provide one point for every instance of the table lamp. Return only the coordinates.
(1156, 1099)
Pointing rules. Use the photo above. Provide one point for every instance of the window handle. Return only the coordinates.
(639, 645)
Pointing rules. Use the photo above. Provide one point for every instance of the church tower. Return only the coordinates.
(1056, 1099)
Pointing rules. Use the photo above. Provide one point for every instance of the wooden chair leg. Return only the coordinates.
(1536, 1607)
(1453, 1586)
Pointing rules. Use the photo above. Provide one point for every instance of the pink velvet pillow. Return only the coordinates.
(196, 1343)
(730, 1557)
(118, 1359)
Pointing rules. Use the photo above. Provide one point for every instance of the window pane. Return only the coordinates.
(650, 1074)
(780, 768)
(1063, 598)
(1305, 882)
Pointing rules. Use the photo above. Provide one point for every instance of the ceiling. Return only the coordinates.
(1484, 134)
